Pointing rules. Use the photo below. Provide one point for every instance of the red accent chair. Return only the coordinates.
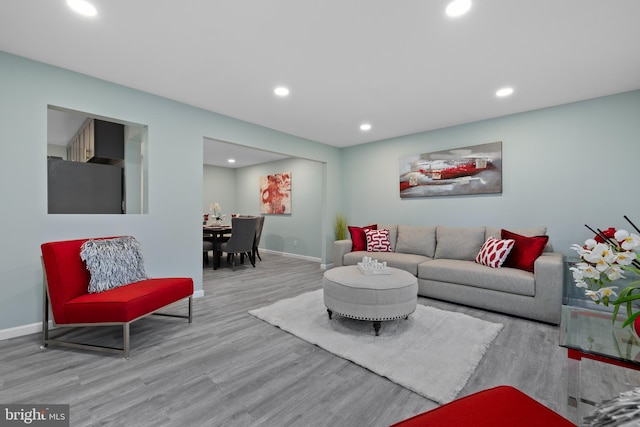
(495, 407)
(66, 294)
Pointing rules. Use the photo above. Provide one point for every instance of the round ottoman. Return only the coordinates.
(350, 293)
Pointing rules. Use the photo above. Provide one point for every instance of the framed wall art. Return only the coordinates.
(275, 194)
(461, 171)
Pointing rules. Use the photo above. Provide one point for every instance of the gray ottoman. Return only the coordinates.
(376, 298)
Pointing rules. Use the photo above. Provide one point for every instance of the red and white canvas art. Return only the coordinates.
(275, 194)
(460, 171)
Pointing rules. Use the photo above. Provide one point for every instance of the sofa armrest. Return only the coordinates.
(549, 276)
(340, 249)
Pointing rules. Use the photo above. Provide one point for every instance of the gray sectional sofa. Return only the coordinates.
(443, 259)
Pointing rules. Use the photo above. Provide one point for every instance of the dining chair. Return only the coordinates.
(259, 225)
(242, 240)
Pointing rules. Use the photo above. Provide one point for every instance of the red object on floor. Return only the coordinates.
(495, 407)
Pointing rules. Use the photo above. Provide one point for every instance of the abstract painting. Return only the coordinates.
(461, 171)
(275, 194)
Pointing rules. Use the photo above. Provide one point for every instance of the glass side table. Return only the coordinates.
(587, 331)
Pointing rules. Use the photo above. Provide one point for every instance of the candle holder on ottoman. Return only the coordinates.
(376, 298)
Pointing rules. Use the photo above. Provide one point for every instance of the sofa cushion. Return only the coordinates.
(112, 262)
(393, 234)
(494, 252)
(469, 273)
(406, 262)
(461, 243)
(358, 239)
(378, 240)
(416, 240)
(525, 251)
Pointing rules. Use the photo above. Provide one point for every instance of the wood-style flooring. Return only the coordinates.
(231, 369)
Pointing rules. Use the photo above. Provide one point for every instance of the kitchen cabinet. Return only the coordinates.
(97, 141)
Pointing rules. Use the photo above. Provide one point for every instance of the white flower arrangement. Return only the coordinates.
(603, 263)
(217, 211)
(605, 259)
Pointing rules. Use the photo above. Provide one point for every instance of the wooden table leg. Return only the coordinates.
(216, 252)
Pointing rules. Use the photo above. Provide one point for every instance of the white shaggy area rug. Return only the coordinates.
(433, 353)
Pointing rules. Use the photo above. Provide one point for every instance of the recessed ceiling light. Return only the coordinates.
(365, 127)
(458, 8)
(505, 91)
(231, 160)
(281, 91)
(82, 7)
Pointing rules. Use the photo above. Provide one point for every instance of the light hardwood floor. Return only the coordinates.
(231, 369)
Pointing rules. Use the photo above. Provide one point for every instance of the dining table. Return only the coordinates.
(218, 233)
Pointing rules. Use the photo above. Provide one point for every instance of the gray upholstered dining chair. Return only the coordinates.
(259, 225)
(241, 242)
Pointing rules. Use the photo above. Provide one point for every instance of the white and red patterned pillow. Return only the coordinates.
(494, 252)
(378, 240)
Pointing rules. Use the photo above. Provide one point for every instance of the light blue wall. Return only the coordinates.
(563, 167)
(219, 185)
(301, 232)
(170, 234)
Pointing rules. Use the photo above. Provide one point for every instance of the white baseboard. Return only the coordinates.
(19, 331)
(290, 255)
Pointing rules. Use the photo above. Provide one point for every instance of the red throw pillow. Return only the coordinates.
(494, 252)
(358, 239)
(378, 240)
(525, 251)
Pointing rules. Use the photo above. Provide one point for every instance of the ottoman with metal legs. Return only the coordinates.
(374, 298)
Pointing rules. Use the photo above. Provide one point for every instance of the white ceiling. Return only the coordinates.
(63, 125)
(401, 65)
(217, 153)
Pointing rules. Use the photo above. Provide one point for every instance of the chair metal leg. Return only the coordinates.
(126, 331)
(45, 316)
(126, 339)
